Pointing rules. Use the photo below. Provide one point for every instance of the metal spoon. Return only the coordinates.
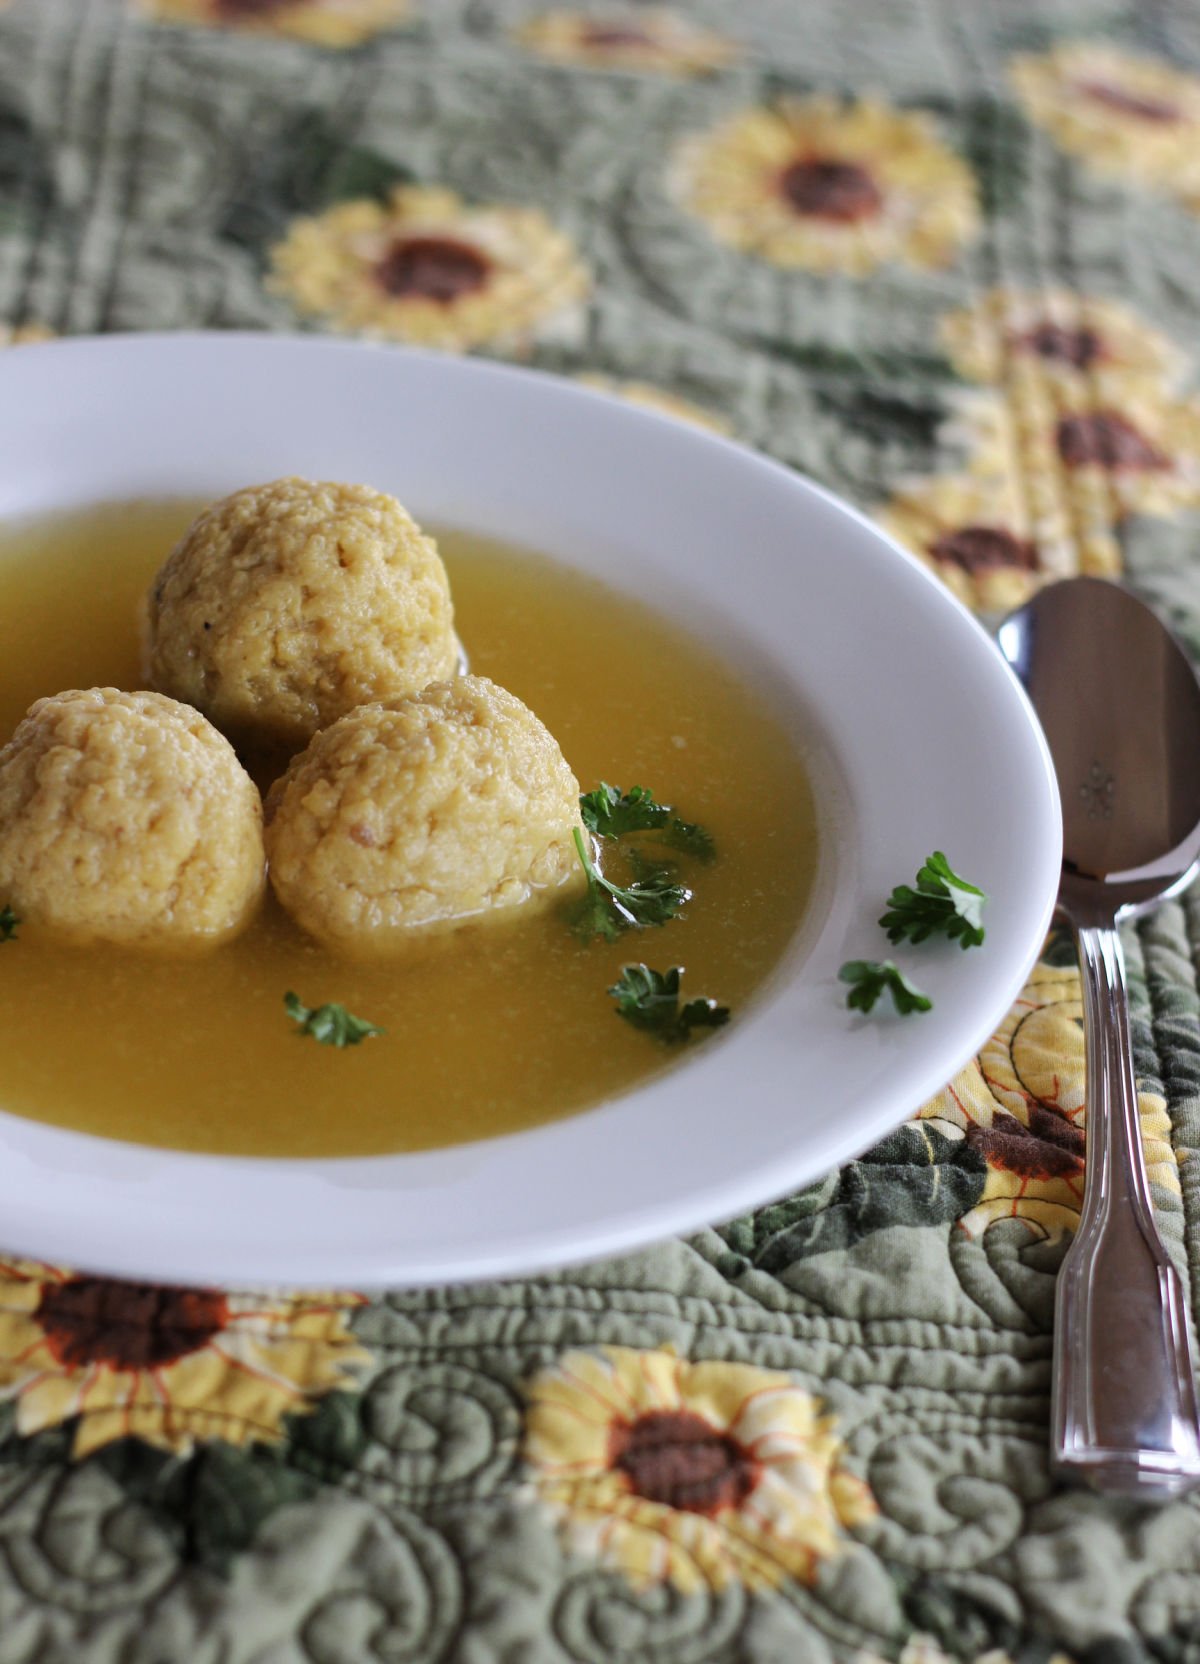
(1120, 706)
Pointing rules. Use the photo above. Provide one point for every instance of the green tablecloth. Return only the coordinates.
(944, 258)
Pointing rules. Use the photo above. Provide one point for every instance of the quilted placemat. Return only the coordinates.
(940, 254)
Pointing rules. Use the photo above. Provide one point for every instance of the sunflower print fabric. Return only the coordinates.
(24, 335)
(335, 23)
(1086, 424)
(830, 187)
(1130, 116)
(976, 531)
(648, 39)
(1077, 341)
(426, 269)
(943, 261)
(1022, 1105)
(690, 1473)
(163, 1365)
(656, 399)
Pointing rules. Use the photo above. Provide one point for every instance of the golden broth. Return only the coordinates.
(498, 1029)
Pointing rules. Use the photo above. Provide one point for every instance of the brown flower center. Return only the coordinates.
(1108, 440)
(90, 1320)
(1142, 105)
(250, 8)
(1048, 1148)
(615, 35)
(827, 189)
(432, 268)
(1080, 347)
(677, 1458)
(980, 548)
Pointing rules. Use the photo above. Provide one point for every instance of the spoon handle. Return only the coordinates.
(1124, 1399)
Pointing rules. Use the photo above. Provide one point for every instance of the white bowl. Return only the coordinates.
(915, 732)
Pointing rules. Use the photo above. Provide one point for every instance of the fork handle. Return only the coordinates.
(1124, 1400)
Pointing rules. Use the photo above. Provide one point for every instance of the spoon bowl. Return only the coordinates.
(1119, 703)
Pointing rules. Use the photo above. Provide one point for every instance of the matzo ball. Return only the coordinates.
(415, 815)
(286, 605)
(126, 817)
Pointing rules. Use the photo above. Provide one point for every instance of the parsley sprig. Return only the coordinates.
(611, 813)
(331, 1024)
(649, 999)
(608, 909)
(8, 924)
(870, 978)
(941, 904)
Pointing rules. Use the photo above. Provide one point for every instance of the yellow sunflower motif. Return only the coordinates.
(1090, 455)
(336, 23)
(696, 1474)
(165, 1365)
(833, 188)
(426, 269)
(975, 532)
(24, 335)
(657, 398)
(1021, 1104)
(1132, 117)
(652, 39)
(926, 1649)
(1077, 340)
